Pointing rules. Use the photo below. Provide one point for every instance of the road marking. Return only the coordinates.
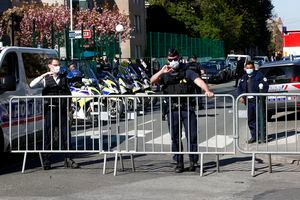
(147, 122)
(95, 134)
(283, 141)
(217, 141)
(165, 139)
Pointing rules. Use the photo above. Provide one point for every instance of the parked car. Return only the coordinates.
(231, 60)
(283, 77)
(260, 60)
(223, 67)
(213, 73)
(291, 57)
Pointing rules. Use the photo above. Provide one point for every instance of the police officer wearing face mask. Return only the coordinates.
(195, 66)
(176, 79)
(55, 112)
(249, 83)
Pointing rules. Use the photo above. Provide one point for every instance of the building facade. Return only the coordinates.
(135, 46)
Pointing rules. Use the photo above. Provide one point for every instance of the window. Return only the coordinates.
(137, 23)
(136, 2)
(281, 74)
(9, 66)
(35, 65)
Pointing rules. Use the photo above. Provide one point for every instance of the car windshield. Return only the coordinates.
(281, 74)
(258, 58)
(212, 67)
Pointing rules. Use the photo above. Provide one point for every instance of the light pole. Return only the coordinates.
(120, 29)
(71, 27)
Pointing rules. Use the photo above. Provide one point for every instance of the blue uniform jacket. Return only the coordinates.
(258, 78)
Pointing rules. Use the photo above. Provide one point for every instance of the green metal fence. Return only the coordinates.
(159, 43)
(83, 48)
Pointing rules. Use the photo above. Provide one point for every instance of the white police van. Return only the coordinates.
(18, 67)
(283, 77)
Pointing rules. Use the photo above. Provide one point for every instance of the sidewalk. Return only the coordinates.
(154, 179)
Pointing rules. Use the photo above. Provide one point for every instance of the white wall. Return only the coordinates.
(291, 50)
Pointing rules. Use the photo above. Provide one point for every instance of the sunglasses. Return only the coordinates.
(171, 59)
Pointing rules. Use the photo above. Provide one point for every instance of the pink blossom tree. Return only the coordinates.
(44, 15)
(104, 22)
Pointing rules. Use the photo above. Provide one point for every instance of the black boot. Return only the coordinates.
(69, 163)
(192, 167)
(179, 167)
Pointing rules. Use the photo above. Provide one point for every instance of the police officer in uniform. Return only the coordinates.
(176, 79)
(195, 66)
(239, 70)
(55, 112)
(249, 83)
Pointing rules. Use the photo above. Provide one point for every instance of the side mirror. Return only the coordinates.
(8, 83)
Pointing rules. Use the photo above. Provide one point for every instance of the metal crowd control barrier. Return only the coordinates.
(273, 118)
(123, 124)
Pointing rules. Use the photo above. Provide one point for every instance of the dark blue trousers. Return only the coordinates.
(188, 119)
(252, 118)
(56, 121)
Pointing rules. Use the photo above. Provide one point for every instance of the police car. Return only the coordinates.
(283, 77)
(18, 67)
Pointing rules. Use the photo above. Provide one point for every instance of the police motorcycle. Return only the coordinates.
(129, 85)
(109, 86)
(83, 108)
(140, 76)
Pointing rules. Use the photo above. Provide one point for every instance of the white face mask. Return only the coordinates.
(249, 71)
(56, 69)
(174, 64)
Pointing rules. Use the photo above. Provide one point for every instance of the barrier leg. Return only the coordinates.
(218, 162)
(24, 162)
(41, 159)
(270, 163)
(132, 163)
(253, 165)
(121, 160)
(201, 164)
(104, 164)
(116, 164)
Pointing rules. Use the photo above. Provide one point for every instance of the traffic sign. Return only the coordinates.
(86, 33)
(76, 34)
(71, 34)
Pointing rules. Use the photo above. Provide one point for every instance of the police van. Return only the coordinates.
(231, 61)
(18, 67)
(283, 77)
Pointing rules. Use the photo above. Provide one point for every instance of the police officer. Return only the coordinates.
(239, 70)
(176, 79)
(55, 112)
(249, 83)
(195, 66)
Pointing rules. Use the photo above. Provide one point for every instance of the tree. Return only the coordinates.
(48, 16)
(104, 22)
(240, 23)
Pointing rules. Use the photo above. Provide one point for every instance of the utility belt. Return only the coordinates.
(251, 99)
(56, 103)
(182, 107)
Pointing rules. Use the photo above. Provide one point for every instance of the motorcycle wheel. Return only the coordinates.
(115, 108)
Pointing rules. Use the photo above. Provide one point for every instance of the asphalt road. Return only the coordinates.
(154, 177)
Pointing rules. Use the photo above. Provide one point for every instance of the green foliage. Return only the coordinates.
(240, 23)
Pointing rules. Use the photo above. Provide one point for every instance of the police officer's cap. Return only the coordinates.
(173, 53)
